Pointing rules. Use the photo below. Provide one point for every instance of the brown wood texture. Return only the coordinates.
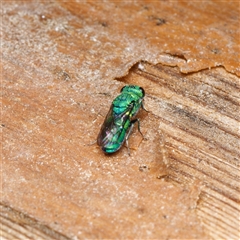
(62, 65)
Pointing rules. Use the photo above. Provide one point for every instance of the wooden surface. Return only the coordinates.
(62, 65)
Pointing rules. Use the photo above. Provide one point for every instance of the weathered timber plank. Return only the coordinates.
(199, 119)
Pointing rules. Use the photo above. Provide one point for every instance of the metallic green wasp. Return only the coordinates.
(119, 121)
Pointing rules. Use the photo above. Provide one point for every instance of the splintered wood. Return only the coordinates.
(199, 121)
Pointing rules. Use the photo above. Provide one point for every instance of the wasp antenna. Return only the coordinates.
(144, 108)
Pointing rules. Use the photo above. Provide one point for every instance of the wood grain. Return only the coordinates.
(198, 118)
(16, 225)
(62, 65)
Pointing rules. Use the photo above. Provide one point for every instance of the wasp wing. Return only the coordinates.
(114, 128)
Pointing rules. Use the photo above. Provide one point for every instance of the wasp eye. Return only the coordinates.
(122, 88)
(143, 92)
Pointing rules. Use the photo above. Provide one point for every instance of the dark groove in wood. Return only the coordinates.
(217, 189)
(21, 219)
(198, 100)
(196, 135)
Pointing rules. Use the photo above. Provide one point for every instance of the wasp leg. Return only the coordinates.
(90, 144)
(130, 130)
(137, 120)
(127, 136)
